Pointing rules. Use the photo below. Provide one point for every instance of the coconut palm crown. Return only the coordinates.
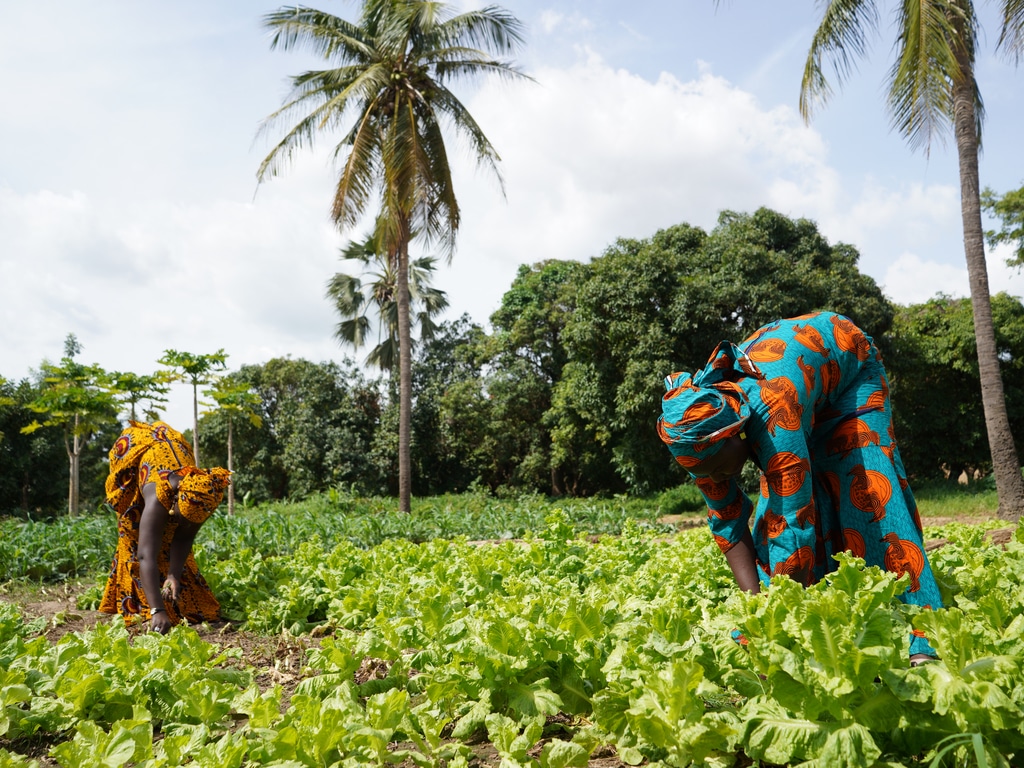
(932, 87)
(387, 94)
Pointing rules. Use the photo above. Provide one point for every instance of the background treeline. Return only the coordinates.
(561, 396)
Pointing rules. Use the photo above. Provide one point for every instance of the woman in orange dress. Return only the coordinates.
(161, 499)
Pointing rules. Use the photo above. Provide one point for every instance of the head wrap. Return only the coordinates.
(699, 412)
(150, 453)
(201, 491)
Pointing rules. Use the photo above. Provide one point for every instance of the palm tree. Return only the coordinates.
(932, 86)
(353, 299)
(389, 76)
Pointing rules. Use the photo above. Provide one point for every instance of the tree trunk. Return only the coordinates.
(195, 423)
(405, 375)
(71, 475)
(76, 464)
(231, 468)
(73, 450)
(1006, 467)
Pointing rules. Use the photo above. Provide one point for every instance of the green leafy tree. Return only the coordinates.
(527, 358)
(451, 430)
(390, 71)
(651, 307)
(196, 370)
(74, 399)
(4, 400)
(1009, 209)
(355, 296)
(33, 466)
(932, 86)
(933, 351)
(235, 400)
(316, 425)
(130, 389)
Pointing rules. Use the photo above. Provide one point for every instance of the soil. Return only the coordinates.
(281, 660)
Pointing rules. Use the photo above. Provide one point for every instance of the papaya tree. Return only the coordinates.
(196, 370)
(73, 398)
(236, 400)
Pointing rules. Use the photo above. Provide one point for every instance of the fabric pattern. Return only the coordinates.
(820, 429)
(149, 453)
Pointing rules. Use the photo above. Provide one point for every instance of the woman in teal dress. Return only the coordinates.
(807, 400)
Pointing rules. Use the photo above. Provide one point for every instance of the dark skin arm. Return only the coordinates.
(742, 562)
(151, 533)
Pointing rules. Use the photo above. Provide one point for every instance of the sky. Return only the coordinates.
(130, 214)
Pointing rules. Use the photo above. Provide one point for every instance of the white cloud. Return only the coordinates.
(591, 153)
(551, 21)
(912, 279)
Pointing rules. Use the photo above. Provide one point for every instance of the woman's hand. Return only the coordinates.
(171, 588)
(159, 621)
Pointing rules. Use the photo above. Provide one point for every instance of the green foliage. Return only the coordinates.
(452, 436)
(132, 388)
(33, 466)
(629, 633)
(196, 369)
(313, 428)
(1009, 209)
(651, 307)
(931, 350)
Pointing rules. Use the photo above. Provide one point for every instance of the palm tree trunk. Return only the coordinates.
(405, 375)
(1005, 465)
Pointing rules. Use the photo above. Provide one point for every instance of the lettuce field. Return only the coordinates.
(581, 640)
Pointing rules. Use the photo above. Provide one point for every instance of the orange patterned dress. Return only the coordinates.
(149, 453)
(812, 398)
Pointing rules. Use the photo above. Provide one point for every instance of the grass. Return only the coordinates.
(945, 498)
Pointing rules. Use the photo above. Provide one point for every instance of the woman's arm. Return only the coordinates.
(181, 546)
(743, 563)
(151, 533)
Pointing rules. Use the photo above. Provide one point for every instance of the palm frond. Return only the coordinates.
(491, 28)
(1011, 33)
(321, 33)
(359, 175)
(935, 49)
(385, 355)
(466, 126)
(346, 292)
(353, 331)
(841, 37)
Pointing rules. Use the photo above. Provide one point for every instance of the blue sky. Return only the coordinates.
(130, 216)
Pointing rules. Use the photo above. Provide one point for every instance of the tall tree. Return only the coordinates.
(354, 299)
(646, 308)
(196, 370)
(73, 398)
(235, 400)
(390, 71)
(932, 85)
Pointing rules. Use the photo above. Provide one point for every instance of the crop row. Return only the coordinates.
(626, 639)
(82, 546)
